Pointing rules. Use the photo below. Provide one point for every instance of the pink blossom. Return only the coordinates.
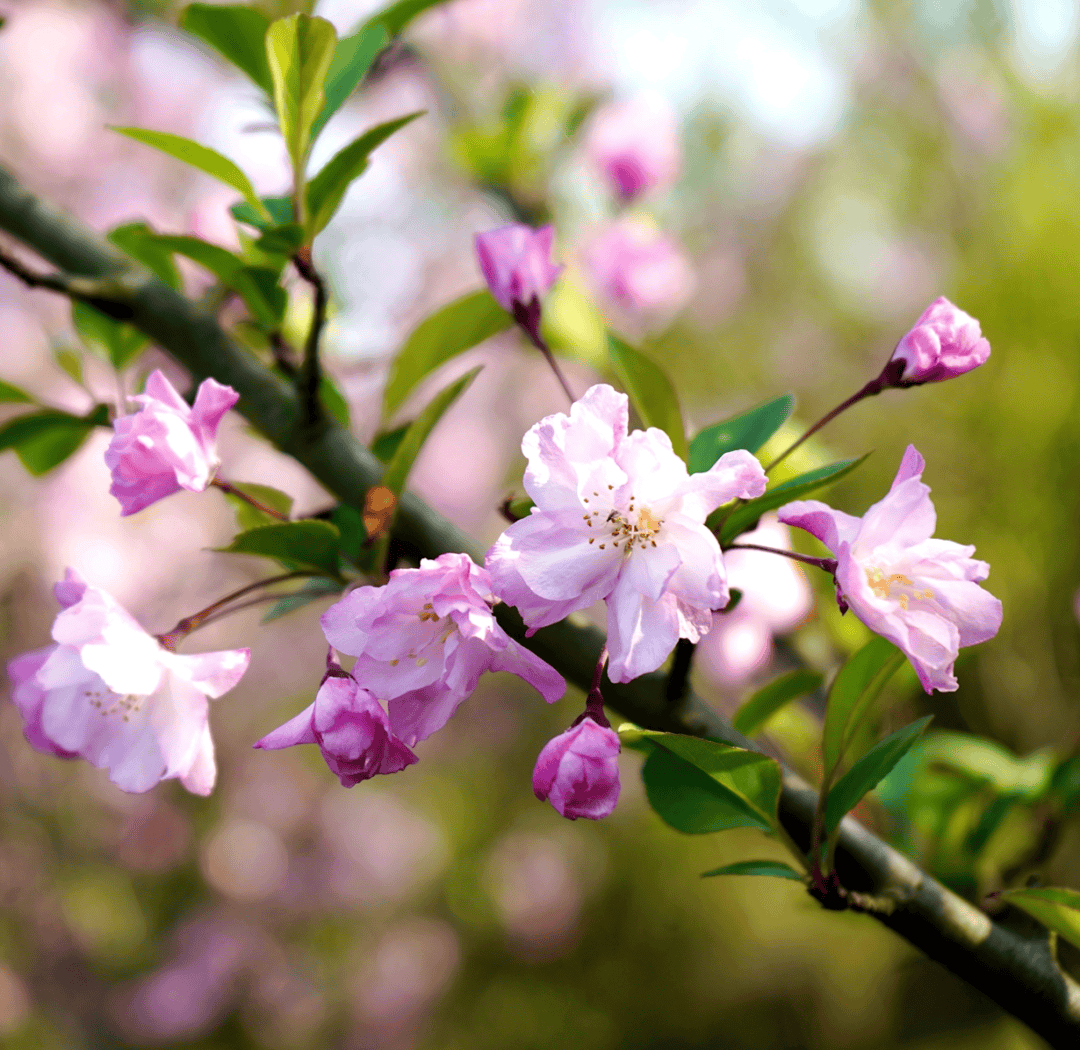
(945, 343)
(351, 729)
(516, 263)
(635, 144)
(166, 446)
(108, 692)
(578, 771)
(776, 597)
(423, 641)
(637, 269)
(920, 593)
(618, 518)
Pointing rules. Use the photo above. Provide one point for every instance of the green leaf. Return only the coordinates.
(334, 400)
(853, 693)
(396, 17)
(350, 523)
(1057, 908)
(750, 718)
(750, 431)
(990, 821)
(651, 392)
(311, 591)
(865, 775)
(775, 868)
(281, 240)
(70, 362)
(12, 395)
(249, 517)
(299, 49)
(386, 444)
(237, 33)
(989, 763)
(398, 470)
(138, 240)
(276, 211)
(116, 342)
(745, 517)
(43, 440)
(352, 59)
(198, 156)
(326, 190)
(455, 328)
(308, 544)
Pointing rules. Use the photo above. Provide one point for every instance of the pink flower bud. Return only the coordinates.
(350, 727)
(516, 263)
(945, 342)
(635, 144)
(166, 446)
(578, 771)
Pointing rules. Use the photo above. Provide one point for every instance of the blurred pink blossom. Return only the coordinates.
(578, 771)
(635, 145)
(166, 445)
(516, 263)
(108, 692)
(920, 593)
(945, 343)
(775, 598)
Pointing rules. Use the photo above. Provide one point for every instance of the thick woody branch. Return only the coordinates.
(1016, 973)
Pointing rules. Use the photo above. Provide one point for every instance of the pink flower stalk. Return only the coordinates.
(635, 145)
(776, 597)
(109, 693)
(578, 771)
(516, 263)
(920, 593)
(618, 518)
(636, 269)
(423, 641)
(945, 343)
(351, 729)
(166, 446)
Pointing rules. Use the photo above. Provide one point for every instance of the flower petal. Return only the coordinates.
(735, 475)
(832, 527)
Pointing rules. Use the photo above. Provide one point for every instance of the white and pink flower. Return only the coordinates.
(945, 343)
(635, 145)
(516, 263)
(921, 593)
(618, 518)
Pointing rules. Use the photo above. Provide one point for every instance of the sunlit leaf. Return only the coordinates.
(275, 212)
(308, 544)
(43, 440)
(865, 774)
(12, 395)
(138, 240)
(774, 868)
(1057, 908)
(118, 343)
(386, 444)
(396, 17)
(651, 392)
(249, 517)
(750, 431)
(455, 328)
(352, 59)
(237, 33)
(750, 718)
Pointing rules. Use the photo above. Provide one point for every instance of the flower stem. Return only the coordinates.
(528, 319)
(825, 564)
(310, 377)
(232, 490)
(594, 702)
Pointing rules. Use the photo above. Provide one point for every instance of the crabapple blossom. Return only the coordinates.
(423, 640)
(578, 771)
(350, 727)
(108, 692)
(921, 593)
(516, 263)
(618, 518)
(776, 597)
(167, 445)
(635, 144)
(945, 343)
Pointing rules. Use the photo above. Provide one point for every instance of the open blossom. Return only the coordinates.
(945, 343)
(350, 727)
(108, 692)
(921, 593)
(776, 597)
(578, 771)
(424, 639)
(635, 144)
(167, 445)
(516, 263)
(618, 518)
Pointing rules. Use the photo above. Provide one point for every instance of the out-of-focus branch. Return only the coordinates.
(1018, 974)
(310, 377)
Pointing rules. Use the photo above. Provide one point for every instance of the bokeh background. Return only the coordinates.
(842, 164)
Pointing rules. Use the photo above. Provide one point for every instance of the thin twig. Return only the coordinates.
(826, 564)
(232, 490)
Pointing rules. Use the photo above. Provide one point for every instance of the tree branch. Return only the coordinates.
(1018, 974)
(310, 377)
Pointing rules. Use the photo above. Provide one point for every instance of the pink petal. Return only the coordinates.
(734, 475)
(298, 730)
(211, 403)
(213, 674)
(832, 527)
(641, 632)
(200, 777)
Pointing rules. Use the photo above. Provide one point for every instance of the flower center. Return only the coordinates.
(624, 529)
(882, 586)
(428, 615)
(106, 703)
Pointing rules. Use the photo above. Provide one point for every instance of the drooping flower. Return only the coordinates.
(945, 343)
(578, 771)
(424, 639)
(618, 518)
(350, 727)
(167, 445)
(775, 598)
(516, 263)
(921, 593)
(108, 692)
(635, 145)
